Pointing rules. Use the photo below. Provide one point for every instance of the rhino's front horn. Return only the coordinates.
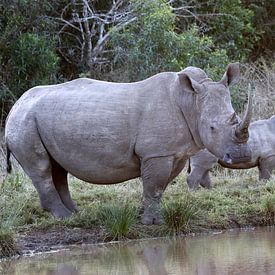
(242, 128)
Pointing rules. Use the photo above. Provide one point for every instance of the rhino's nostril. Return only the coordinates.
(227, 158)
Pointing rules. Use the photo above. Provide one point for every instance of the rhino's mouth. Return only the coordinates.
(230, 160)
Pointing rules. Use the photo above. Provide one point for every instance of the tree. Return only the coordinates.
(151, 44)
(27, 54)
(84, 30)
(228, 22)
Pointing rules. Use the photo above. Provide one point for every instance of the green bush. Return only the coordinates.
(268, 206)
(7, 243)
(179, 215)
(27, 50)
(117, 219)
(151, 44)
(230, 24)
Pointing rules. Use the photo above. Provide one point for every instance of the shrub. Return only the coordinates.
(117, 219)
(268, 206)
(151, 44)
(27, 50)
(7, 243)
(180, 214)
(230, 24)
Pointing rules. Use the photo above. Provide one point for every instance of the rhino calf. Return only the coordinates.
(105, 133)
(262, 143)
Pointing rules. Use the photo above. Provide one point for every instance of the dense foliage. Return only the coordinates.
(47, 41)
(27, 51)
(151, 45)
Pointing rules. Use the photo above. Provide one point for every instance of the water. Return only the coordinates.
(234, 252)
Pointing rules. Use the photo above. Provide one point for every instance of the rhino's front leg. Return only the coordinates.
(155, 173)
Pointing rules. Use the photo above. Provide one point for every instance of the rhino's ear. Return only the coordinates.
(232, 75)
(189, 84)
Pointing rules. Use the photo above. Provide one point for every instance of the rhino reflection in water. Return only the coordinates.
(262, 143)
(106, 133)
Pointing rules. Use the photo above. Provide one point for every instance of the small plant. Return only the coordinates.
(268, 204)
(117, 219)
(178, 215)
(7, 243)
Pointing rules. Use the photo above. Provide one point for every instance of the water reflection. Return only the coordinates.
(240, 252)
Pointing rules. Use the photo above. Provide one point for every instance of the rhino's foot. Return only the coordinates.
(61, 213)
(206, 185)
(149, 218)
(193, 188)
(72, 207)
(75, 209)
(193, 185)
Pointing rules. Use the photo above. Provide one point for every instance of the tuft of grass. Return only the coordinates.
(7, 243)
(86, 218)
(179, 215)
(268, 207)
(117, 219)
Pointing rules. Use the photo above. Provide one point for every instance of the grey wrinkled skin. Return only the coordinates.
(262, 144)
(106, 133)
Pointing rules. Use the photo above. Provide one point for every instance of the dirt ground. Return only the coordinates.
(38, 240)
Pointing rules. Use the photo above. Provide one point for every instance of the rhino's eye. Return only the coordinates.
(212, 128)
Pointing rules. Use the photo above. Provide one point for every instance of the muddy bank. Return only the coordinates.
(43, 240)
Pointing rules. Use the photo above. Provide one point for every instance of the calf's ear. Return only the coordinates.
(189, 84)
(232, 75)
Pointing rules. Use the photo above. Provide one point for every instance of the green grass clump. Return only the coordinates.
(268, 207)
(7, 243)
(179, 214)
(117, 219)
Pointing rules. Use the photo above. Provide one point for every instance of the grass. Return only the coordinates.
(117, 219)
(237, 199)
(180, 215)
(7, 243)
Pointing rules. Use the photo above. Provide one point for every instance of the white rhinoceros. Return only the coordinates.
(262, 144)
(107, 133)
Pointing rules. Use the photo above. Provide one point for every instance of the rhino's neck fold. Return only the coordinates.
(190, 114)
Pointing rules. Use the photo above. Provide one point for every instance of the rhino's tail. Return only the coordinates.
(8, 160)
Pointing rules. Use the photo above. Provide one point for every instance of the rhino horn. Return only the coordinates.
(242, 128)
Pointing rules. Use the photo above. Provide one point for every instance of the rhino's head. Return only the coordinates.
(217, 127)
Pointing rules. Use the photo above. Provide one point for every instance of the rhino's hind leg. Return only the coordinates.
(155, 175)
(34, 159)
(60, 180)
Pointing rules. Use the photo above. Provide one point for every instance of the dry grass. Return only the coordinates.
(261, 77)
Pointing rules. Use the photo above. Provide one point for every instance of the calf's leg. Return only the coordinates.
(195, 178)
(266, 166)
(206, 181)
